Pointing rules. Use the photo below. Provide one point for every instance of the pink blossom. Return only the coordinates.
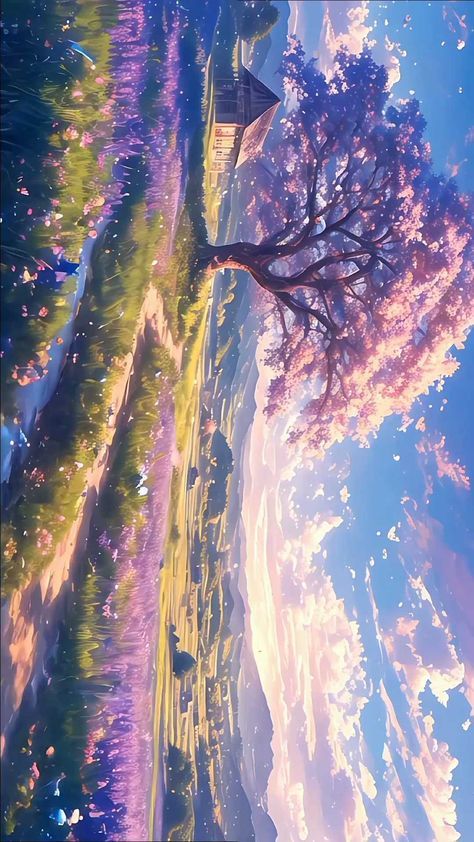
(86, 139)
(71, 133)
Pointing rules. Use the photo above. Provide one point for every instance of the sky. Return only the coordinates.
(358, 571)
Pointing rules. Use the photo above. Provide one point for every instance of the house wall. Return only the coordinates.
(225, 143)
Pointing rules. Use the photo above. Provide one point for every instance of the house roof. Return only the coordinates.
(246, 103)
(261, 105)
(254, 136)
(259, 97)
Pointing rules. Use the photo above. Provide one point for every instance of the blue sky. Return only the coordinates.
(441, 76)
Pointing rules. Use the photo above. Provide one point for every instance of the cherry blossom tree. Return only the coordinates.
(366, 255)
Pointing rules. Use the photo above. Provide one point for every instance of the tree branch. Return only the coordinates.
(298, 307)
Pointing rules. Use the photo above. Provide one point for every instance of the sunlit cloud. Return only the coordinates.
(346, 26)
(429, 551)
(308, 654)
(446, 466)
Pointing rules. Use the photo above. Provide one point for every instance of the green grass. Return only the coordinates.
(61, 713)
(76, 420)
(186, 398)
(81, 178)
(120, 502)
(179, 591)
(52, 123)
(45, 124)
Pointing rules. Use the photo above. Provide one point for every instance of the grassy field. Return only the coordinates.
(136, 251)
(69, 714)
(56, 120)
(194, 714)
(76, 425)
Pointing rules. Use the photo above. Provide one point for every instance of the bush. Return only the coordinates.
(255, 19)
(183, 662)
(177, 811)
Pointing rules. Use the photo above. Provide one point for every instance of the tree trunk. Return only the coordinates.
(255, 260)
(249, 257)
(233, 255)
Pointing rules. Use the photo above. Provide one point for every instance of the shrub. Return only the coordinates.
(255, 19)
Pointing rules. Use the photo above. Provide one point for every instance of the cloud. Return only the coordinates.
(406, 626)
(345, 31)
(429, 647)
(296, 805)
(308, 651)
(395, 819)
(367, 781)
(423, 651)
(395, 803)
(346, 26)
(432, 766)
(393, 727)
(344, 494)
(457, 25)
(454, 471)
(446, 466)
(392, 534)
(430, 555)
(420, 647)
(392, 61)
(455, 166)
(309, 539)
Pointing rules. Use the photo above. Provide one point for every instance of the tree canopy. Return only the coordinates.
(365, 254)
(255, 19)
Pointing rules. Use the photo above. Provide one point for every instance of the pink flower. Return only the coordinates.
(71, 133)
(86, 139)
